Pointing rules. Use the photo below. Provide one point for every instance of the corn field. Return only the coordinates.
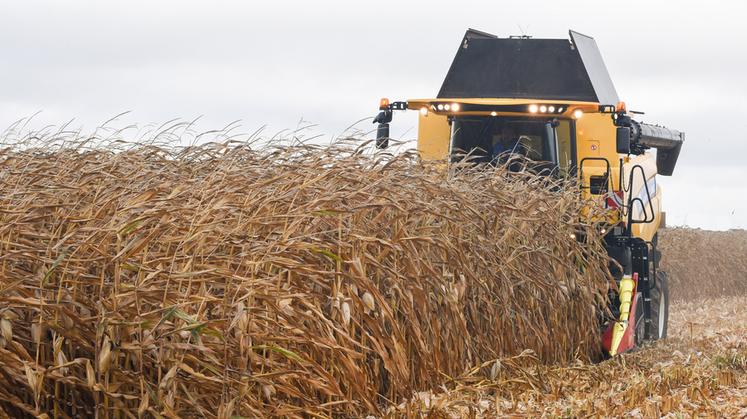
(150, 280)
(705, 264)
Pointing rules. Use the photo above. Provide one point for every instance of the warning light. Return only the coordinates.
(383, 103)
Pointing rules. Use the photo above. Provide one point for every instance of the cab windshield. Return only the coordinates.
(545, 145)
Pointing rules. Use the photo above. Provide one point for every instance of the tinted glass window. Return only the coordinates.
(490, 139)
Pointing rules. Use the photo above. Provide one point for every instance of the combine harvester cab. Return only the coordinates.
(553, 102)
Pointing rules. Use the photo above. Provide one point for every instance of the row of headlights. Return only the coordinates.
(454, 107)
(578, 113)
(545, 109)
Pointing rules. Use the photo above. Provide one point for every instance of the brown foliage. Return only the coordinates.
(220, 280)
(704, 264)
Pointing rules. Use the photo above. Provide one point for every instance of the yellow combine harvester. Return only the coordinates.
(552, 103)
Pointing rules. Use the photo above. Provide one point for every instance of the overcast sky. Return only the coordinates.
(275, 63)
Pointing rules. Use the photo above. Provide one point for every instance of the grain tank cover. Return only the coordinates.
(486, 66)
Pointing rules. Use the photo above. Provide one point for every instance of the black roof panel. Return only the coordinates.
(525, 68)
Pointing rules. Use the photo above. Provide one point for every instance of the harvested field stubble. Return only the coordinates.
(704, 264)
(220, 280)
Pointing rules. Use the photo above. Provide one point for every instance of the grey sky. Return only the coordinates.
(329, 62)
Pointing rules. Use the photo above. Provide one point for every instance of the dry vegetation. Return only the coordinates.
(699, 371)
(220, 280)
(704, 264)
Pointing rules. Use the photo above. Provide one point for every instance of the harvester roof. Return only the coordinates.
(486, 66)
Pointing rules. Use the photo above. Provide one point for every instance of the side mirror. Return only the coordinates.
(382, 135)
(382, 130)
(623, 140)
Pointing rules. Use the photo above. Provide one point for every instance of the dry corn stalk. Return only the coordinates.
(285, 280)
(704, 264)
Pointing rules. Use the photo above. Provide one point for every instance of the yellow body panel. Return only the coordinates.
(434, 134)
(648, 163)
(595, 138)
